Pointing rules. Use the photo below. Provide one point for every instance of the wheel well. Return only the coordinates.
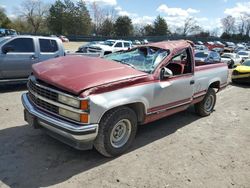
(107, 52)
(215, 85)
(138, 108)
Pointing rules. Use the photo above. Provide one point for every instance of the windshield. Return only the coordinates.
(201, 54)
(243, 53)
(144, 59)
(227, 56)
(109, 42)
(246, 63)
(3, 40)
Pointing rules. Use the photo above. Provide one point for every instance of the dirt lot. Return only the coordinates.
(72, 46)
(180, 151)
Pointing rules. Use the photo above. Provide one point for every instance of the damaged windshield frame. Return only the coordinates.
(144, 59)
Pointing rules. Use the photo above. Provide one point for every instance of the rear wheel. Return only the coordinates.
(117, 131)
(206, 106)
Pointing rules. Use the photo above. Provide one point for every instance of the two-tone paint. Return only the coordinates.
(108, 84)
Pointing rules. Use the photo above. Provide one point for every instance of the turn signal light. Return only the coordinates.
(84, 118)
(84, 105)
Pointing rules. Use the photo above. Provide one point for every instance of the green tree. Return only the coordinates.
(107, 28)
(4, 20)
(160, 26)
(123, 26)
(69, 18)
(148, 30)
(55, 18)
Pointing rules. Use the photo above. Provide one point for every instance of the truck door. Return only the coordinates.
(17, 57)
(118, 46)
(48, 49)
(176, 91)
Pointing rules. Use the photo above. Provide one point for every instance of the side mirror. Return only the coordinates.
(165, 73)
(7, 49)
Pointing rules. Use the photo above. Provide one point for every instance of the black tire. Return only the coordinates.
(201, 108)
(231, 65)
(103, 143)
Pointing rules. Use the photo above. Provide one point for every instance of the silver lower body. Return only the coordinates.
(76, 135)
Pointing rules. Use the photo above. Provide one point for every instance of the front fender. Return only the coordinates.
(101, 103)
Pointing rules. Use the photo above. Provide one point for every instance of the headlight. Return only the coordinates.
(69, 114)
(83, 118)
(69, 101)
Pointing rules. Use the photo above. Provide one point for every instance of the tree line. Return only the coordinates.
(67, 17)
(236, 28)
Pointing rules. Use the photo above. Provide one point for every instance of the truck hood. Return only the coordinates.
(78, 73)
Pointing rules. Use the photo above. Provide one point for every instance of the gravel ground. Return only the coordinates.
(183, 150)
(73, 46)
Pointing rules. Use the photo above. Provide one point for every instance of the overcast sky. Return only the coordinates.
(207, 12)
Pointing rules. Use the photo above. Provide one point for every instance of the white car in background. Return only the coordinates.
(244, 55)
(231, 59)
(110, 46)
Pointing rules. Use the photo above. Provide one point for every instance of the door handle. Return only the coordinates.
(192, 82)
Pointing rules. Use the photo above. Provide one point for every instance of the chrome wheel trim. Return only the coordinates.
(120, 133)
(209, 103)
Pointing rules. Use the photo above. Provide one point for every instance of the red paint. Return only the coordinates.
(175, 45)
(77, 73)
(200, 93)
(198, 99)
(154, 117)
(89, 75)
(169, 105)
(212, 46)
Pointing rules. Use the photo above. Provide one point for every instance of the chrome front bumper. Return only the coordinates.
(78, 136)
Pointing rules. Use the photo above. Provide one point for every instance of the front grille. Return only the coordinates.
(43, 92)
(42, 104)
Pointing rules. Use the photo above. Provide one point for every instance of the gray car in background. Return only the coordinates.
(19, 53)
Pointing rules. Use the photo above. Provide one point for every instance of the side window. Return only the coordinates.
(118, 45)
(47, 45)
(20, 45)
(127, 45)
(181, 63)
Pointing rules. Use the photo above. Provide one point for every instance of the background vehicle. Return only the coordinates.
(84, 48)
(18, 54)
(200, 47)
(110, 46)
(101, 101)
(63, 38)
(244, 55)
(241, 74)
(216, 44)
(144, 41)
(137, 42)
(7, 32)
(231, 59)
(207, 56)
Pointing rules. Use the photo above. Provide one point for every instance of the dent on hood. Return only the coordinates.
(116, 85)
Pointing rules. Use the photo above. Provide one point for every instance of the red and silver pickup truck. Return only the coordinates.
(89, 101)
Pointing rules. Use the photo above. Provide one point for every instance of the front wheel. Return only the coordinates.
(117, 131)
(206, 106)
